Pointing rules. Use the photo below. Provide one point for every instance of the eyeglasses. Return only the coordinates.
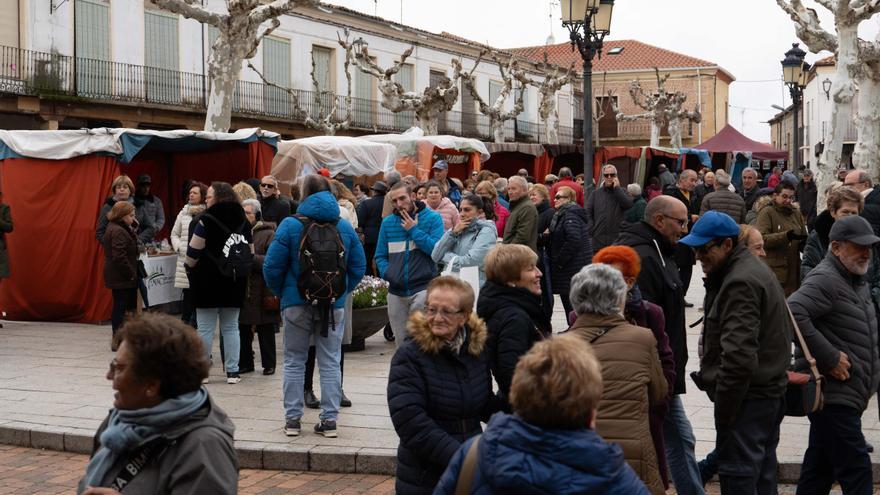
(431, 312)
(268, 186)
(678, 220)
(610, 175)
(702, 250)
(115, 366)
(559, 196)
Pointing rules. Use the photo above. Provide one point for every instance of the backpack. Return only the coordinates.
(322, 265)
(236, 258)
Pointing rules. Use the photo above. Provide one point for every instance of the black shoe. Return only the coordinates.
(268, 371)
(388, 333)
(292, 427)
(870, 447)
(326, 428)
(705, 475)
(245, 370)
(311, 401)
(688, 305)
(345, 402)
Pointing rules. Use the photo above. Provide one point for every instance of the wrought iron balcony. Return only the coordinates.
(53, 76)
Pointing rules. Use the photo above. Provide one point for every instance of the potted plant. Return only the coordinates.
(370, 310)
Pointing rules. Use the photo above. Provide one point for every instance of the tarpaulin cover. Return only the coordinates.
(56, 262)
(730, 140)
(125, 144)
(340, 155)
(415, 151)
(703, 155)
(525, 148)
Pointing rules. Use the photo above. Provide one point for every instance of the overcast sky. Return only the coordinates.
(746, 37)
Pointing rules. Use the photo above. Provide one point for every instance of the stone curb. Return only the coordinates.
(251, 455)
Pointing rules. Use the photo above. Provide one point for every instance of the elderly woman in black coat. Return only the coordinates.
(439, 386)
(570, 246)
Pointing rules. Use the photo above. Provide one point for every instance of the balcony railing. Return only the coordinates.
(30, 73)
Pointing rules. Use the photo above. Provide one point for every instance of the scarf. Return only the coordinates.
(455, 344)
(128, 430)
(560, 212)
(634, 311)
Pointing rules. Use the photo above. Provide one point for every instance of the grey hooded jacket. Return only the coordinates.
(469, 248)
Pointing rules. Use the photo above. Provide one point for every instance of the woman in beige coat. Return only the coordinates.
(631, 370)
(180, 240)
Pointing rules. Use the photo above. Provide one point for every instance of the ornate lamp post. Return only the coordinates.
(795, 71)
(594, 17)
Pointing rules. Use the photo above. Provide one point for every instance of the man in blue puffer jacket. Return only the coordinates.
(403, 255)
(550, 444)
(281, 271)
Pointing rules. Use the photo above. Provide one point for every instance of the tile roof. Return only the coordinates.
(635, 56)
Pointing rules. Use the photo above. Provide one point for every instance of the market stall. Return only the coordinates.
(634, 164)
(416, 153)
(729, 143)
(55, 183)
(341, 155)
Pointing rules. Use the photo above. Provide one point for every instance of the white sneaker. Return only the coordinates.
(232, 378)
(205, 380)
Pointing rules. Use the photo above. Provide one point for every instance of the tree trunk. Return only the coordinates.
(867, 151)
(551, 128)
(655, 133)
(843, 91)
(428, 121)
(223, 70)
(497, 130)
(675, 133)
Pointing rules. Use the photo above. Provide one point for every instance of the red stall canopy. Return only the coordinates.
(55, 183)
(730, 140)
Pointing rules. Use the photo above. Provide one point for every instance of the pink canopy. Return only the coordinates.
(730, 140)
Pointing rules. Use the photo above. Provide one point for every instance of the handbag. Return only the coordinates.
(803, 394)
(270, 302)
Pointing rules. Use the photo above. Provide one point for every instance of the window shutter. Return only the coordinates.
(92, 33)
(404, 77)
(277, 70)
(161, 57)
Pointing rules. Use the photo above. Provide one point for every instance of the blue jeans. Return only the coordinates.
(206, 319)
(680, 450)
(300, 323)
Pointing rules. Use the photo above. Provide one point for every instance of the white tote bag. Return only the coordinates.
(469, 274)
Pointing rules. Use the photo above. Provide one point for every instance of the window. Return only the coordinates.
(276, 69)
(468, 112)
(162, 69)
(494, 90)
(406, 78)
(608, 121)
(92, 33)
(364, 104)
(322, 58)
(523, 124)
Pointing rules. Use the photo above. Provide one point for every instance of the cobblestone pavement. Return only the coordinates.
(34, 471)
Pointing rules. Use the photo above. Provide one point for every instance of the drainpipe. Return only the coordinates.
(700, 105)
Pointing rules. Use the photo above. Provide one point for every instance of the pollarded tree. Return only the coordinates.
(427, 105)
(662, 108)
(496, 113)
(856, 71)
(240, 31)
(327, 120)
(552, 83)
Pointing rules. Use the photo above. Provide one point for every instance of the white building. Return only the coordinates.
(128, 63)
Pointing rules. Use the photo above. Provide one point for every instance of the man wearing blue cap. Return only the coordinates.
(835, 312)
(746, 351)
(450, 188)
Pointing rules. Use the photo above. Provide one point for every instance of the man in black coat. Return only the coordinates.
(835, 312)
(275, 208)
(655, 239)
(369, 214)
(685, 192)
(746, 351)
(750, 188)
(805, 195)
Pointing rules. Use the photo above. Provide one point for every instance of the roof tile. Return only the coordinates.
(635, 55)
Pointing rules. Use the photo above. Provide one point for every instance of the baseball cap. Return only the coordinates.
(144, 179)
(854, 229)
(441, 165)
(380, 186)
(712, 225)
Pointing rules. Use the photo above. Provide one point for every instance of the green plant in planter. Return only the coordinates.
(371, 292)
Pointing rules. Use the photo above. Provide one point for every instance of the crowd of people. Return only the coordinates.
(597, 410)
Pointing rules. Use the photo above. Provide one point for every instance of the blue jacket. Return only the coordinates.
(404, 258)
(517, 457)
(281, 265)
(469, 248)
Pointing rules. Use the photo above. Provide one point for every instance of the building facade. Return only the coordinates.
(94, 63)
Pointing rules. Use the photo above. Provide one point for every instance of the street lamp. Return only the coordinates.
(594, 17)
(795, 71)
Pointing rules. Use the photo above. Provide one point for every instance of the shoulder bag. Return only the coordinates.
(468, 469)
(803, 394)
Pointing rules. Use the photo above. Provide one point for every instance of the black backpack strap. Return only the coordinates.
(602, 331)
(218, 223)
(136, 464)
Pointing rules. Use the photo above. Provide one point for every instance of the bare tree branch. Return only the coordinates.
(864, 10)
(273, 25)
(277, 8)
(191, 11)
(807, 25)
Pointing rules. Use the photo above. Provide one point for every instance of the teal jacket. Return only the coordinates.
(404, 257)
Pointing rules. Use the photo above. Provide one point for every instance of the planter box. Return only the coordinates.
(364, 323)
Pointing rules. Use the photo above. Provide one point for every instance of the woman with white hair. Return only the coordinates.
(631, 370)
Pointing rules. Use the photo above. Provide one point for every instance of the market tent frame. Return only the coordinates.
(730, 140)
(55, 183)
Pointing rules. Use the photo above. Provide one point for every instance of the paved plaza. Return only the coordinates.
(54, 394)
